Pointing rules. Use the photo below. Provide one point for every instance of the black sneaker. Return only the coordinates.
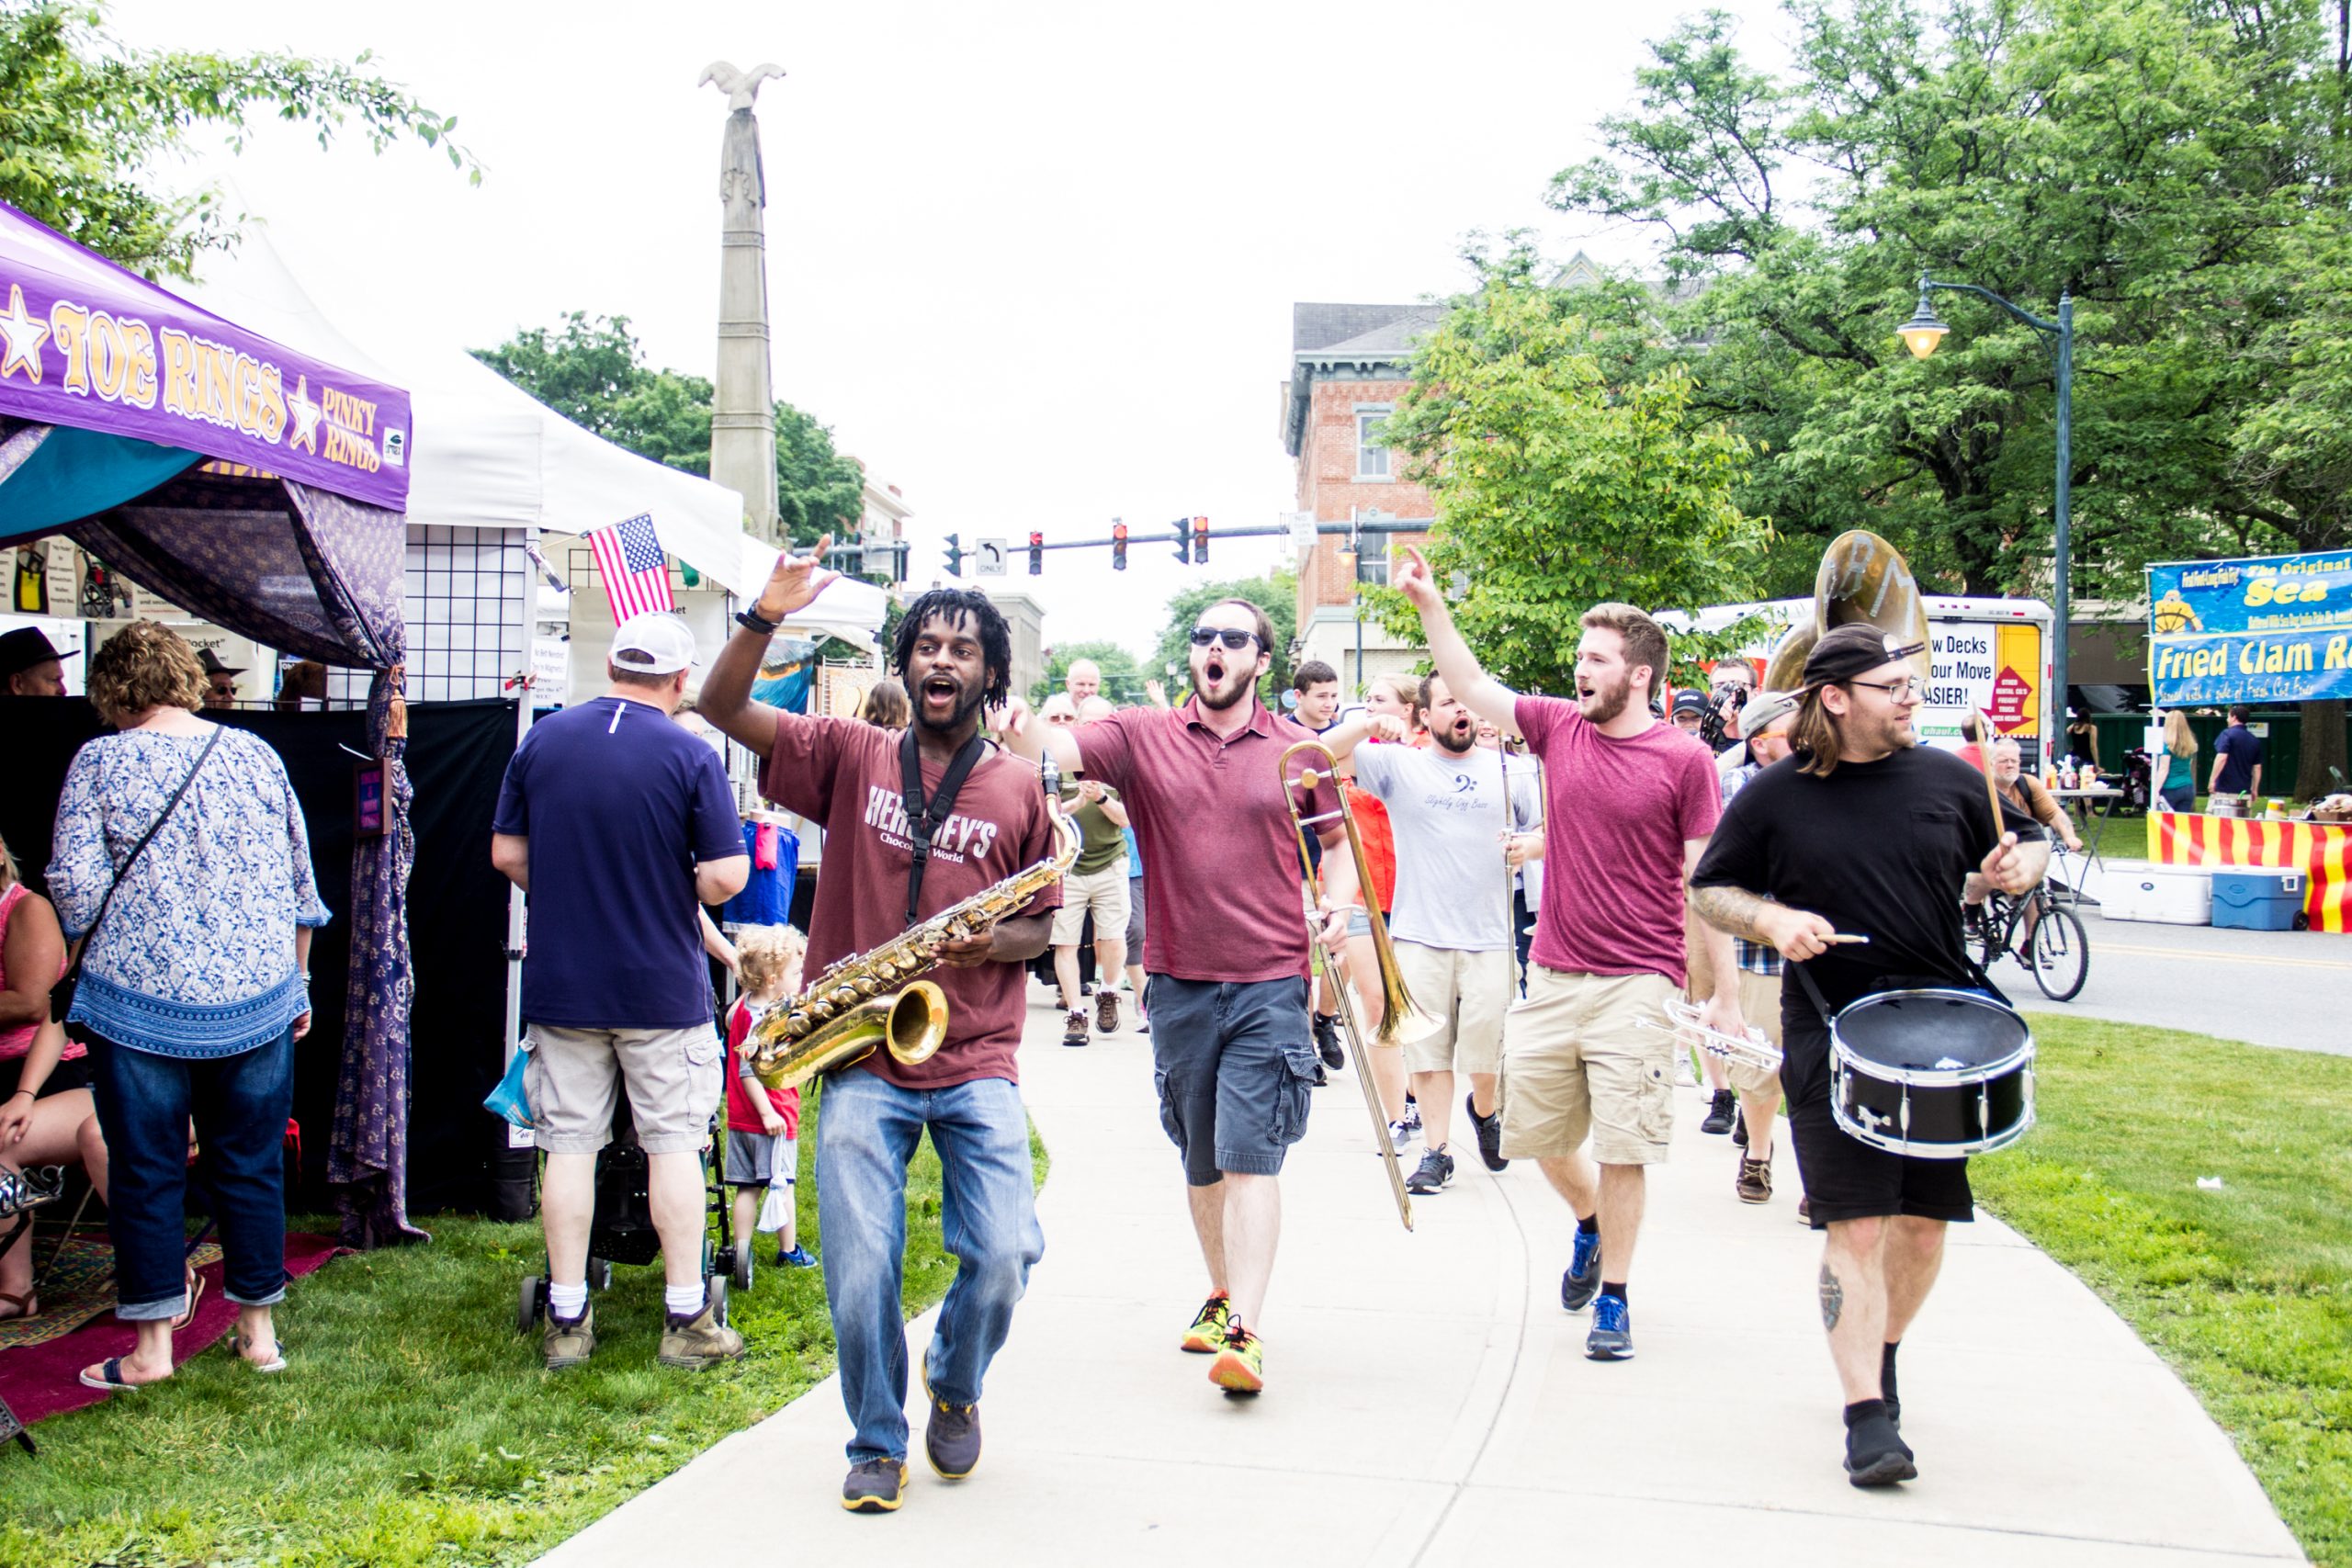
(1583, 1276)
(873, 1485)
(1722, 1113)
(1326, 1042)
(951, 1438)
(1876, 1454)
(1074, 1031)
(1611, 1339)
(1435, 1171)
(1322, 1078)
(1490, 1133)
(1739, 1130)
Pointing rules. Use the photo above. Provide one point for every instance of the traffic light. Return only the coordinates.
(1036, 553)
(955, 556)
(1185, 541)
(1200, 541)
(1118, 547)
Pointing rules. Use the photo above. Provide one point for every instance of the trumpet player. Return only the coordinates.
(916, 822)
(1631, 803)
(1226, 949)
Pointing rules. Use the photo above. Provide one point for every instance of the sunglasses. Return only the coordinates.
(1231, 636)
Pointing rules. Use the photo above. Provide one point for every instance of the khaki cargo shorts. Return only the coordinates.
(1106, 893)
(1470, 992)
(1578, 1063)
(574, 1080)
(1759, 1004)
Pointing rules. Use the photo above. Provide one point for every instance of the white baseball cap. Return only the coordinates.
(656, 643)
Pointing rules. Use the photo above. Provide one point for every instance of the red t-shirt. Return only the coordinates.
(843, 773)
(1616, 815)
(1221, 890)
(742, 1111)
(1379, 841)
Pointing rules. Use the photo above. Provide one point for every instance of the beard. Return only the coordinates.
(1457, 740)
(1220, 683)
(967, 700)
(1606, 702)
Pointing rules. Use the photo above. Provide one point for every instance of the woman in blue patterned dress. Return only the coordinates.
(193, 993)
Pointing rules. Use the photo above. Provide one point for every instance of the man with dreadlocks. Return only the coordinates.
(982, 816)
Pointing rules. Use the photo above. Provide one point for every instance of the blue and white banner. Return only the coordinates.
(2271, 628)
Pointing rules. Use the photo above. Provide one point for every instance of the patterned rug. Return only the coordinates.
(81, 1286)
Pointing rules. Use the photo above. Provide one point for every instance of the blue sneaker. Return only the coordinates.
(1583, 1277)
(1611, 1339)
(796, 1258)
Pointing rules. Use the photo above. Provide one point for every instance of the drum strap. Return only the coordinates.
(1901, 982)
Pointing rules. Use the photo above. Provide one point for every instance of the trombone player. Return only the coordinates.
(1226, 949)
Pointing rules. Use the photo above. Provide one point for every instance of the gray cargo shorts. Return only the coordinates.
(1233, 1061)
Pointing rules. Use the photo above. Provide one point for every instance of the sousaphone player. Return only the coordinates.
(1862, 832)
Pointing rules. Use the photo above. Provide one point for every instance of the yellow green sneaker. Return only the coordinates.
(1206, 1336)
(1240, 1366)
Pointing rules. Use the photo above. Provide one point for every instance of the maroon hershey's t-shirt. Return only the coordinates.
(843, 774)
(1616, 814)
(1221, 877)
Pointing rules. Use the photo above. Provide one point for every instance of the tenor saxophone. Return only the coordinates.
(873, 999)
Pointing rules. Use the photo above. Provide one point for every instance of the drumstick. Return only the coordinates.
(1984, 761)
(1834, 937)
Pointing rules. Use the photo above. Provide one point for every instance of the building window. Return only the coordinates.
(1371, 457)
(1372, 564)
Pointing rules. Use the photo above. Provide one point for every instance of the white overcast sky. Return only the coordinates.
(1033, 264)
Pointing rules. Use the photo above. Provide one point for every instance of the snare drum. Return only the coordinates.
(1931, 1074)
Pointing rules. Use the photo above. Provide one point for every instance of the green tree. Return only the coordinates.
(1276, 594)
(591, 370)
(1122, 678)
(85, 121)
(1560, 481)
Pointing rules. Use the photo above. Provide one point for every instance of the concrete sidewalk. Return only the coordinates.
(1427, 1402)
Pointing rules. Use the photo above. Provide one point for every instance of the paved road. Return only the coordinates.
(2286, 988)
(1429, 1402)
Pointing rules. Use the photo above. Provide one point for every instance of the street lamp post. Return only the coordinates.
(1921, 334)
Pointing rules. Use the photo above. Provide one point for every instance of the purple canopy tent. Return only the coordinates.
(263, 489)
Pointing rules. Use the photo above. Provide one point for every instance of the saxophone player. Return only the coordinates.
(916, 820)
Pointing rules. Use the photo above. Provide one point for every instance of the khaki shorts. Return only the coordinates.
(1576, 1062)
(574, 1079)
(1469, 991)
(1759, 1004)
(1106, 893)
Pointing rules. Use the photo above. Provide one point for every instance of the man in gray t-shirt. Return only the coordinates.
(1452, 925)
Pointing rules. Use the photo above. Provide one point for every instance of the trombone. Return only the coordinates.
(1400, 1019)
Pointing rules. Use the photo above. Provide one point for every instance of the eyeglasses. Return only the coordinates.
(1910, 689)
(1231, 636)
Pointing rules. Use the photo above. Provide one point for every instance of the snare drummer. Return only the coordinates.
(1863, 832)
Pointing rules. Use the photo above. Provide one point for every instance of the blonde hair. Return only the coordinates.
(146, 665)
(1406, 689)
(2179, 739)
(767, 956)
(8, 867)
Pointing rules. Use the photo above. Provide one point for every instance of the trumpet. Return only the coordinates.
(1400, 1018)
(1682, 1022)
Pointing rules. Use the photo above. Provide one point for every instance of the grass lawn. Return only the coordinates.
(2246, 1291)
(415, 1426)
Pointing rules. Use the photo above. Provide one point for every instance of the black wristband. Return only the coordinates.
(752, 620)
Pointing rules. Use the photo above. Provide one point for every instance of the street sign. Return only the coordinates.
(988, 557)
(1302, 529)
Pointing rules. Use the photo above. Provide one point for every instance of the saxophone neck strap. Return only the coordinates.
(924, 818)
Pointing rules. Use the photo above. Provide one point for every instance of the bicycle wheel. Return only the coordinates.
(1991, 932)
(2061, 954)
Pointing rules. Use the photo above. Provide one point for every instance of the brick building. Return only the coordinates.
(1348, 366)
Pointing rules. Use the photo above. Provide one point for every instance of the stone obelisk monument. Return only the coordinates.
(742, 420)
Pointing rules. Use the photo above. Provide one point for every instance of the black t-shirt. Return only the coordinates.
(1878, 849)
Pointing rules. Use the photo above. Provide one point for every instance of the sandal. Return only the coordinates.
(275, 1364)
(110, 1378)
(187, 1316)
(27, 1306)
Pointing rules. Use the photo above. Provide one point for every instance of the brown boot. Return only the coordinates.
(700, 1340)
(1755, 1182)
(567, 1344)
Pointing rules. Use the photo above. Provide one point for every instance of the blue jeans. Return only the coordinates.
(240, 1105)
(866, 1131)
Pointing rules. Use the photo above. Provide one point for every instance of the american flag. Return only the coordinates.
(635, 572)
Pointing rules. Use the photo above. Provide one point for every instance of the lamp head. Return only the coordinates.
(1924, 330)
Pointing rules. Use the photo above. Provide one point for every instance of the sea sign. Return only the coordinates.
(2265, 594)
(2251, 667)
(103, 350)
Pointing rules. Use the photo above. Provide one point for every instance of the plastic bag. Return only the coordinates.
(509, 1099)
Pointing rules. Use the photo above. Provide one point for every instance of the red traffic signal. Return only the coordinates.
(1036, 553)
(1118, 547)
(1200, 541)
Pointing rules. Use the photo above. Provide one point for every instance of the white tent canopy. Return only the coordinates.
(484, 454)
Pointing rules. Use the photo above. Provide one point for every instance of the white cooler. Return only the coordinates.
(2166, 894)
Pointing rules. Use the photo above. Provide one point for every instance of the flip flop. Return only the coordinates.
(195, 1295)
(236, 1349)
(109, 1378)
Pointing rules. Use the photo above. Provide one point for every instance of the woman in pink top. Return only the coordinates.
(47, 1116)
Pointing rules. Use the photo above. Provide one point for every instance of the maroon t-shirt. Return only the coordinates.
(1616, 815)
(1221, 881)
(843, 773)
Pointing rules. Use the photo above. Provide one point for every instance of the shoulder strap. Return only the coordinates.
(925, 818)
(132, 859)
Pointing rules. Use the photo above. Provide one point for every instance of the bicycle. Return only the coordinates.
(2061, 956)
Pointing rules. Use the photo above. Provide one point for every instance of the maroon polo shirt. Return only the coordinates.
(1220, 857)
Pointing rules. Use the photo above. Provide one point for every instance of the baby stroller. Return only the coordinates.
(622, 1230)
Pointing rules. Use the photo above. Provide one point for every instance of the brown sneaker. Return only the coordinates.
(1106, 1011)
(1754, 1183)
(567, 1344)
(698, 1341)
(1074, 1027)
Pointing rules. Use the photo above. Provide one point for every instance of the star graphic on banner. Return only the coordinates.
(306, 416)
(23, 334)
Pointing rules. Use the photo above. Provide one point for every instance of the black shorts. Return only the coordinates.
(65, 1076)
(1846, 1178)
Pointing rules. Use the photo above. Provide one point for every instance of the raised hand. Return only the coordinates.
(795, 581)
(1416, 581)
